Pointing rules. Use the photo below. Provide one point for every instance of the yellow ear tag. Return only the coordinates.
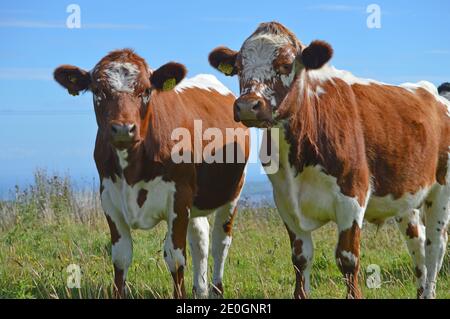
(169, 84)
(73, 93)
(225, 68)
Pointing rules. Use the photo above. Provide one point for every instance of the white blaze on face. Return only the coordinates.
(261, 90)
(258, 54)
(122, 76)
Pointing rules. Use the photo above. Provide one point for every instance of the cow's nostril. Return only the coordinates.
(238, 108)
(113, 129)
(133, 128)
(257, 106)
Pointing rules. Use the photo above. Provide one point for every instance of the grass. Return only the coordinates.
(50, 226)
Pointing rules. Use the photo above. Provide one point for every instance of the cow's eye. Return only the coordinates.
(285, 68)
(145, 93)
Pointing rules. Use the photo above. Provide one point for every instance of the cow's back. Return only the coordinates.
(407, 135)
(203, 102)
(219, 183)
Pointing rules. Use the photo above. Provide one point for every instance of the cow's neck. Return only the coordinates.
(302, 128)
(131, 165)
(323, 122)
(144, 160)
(136, 164)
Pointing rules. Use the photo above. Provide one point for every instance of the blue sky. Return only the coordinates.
(43, 126)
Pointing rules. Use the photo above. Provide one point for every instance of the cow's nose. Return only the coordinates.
(247, 109)
(122, 132)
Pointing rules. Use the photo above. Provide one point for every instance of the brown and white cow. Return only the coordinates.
(137, 112)
(348, 149)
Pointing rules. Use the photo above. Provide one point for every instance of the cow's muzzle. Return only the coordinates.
(252, 111)
(123, 135)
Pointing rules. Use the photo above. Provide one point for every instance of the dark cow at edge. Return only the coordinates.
(137, 110)
(444, 90)
(349, 149)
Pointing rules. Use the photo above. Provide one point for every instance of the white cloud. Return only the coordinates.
(16, 153)
(26, 74)
(438, 51)
(32, 24)
(226, 19)
(436, 79)
(336, 7)
(115, 26)
(19, 11)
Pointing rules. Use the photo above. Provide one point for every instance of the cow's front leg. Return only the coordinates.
(198, 235)
(437, 220)
(413, 231)
(175, 243)
(347, 257)
(221, 242)
(121, 243)
(302, 256)
(349, 219)
(121, 252)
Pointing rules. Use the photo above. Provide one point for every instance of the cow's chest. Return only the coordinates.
(143, 204)
(306, 200)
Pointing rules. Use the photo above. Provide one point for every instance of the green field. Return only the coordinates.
(50, 226)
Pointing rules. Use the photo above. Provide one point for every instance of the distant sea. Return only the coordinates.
(255, 193)
(258, 193)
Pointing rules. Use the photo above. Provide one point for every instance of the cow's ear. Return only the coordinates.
(224, 60)
(316, 55)
(168, 76)
(72, 78)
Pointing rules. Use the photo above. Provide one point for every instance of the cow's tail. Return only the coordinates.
(444, 90)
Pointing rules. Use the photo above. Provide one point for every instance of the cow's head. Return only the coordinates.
(444, 90)
(122, 85)
(267, 64)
